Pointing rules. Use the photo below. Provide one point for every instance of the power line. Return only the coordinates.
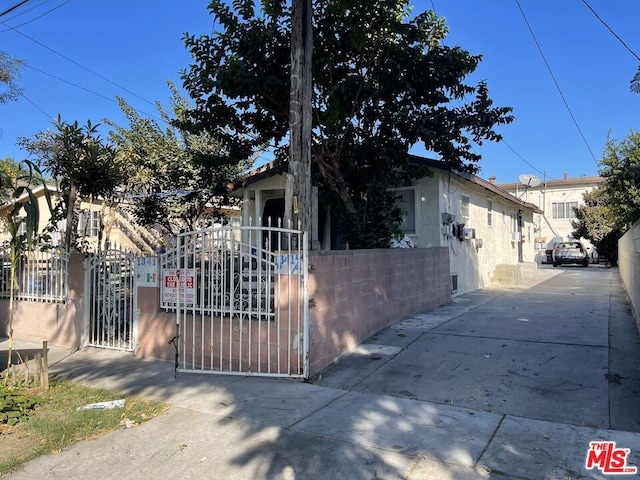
(611, 30)
(36, 18)
(557, 85)
(87, 90)
(33, 103)
(79, 65)
(524, 160)
(13, 8)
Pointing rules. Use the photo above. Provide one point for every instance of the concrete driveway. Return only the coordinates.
(564, 350)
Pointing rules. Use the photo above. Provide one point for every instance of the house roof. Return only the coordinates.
(558, 184)
(260, 173)
(271, 168)
(491, 187)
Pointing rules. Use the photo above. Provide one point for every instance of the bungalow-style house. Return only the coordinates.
(558, 200)
(485, 229)
(124, 234)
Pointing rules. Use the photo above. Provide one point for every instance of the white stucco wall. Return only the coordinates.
(473, 261)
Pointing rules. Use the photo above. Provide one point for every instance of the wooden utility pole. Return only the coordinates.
(298, 186)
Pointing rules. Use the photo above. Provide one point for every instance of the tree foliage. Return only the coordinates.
(178, 179)
(610, 209)
(383, 81)
(9, 74)
(595, 221)
(83, 165)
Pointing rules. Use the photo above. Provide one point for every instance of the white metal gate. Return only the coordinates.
(110, 311)
(240, 297)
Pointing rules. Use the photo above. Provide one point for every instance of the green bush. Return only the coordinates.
(15, 406)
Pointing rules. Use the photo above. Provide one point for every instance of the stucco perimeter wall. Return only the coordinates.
(629, 267)
(58, 323)
(356, 293)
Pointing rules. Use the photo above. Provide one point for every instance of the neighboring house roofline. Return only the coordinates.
(35, 191)
(564, 182)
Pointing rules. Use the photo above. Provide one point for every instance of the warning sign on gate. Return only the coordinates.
(178, 286)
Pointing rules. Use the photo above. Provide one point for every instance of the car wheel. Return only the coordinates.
(585, 263)
(555, 264)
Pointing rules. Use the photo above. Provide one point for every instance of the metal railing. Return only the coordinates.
(40, 276)
(239, 294)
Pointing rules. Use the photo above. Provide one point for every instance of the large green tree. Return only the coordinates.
(383, 81)
(178, 180)
(81, 162)
(610, 209)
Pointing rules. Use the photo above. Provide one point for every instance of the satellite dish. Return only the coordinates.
(529, 180)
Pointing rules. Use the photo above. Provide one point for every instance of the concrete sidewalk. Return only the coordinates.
(498, 384)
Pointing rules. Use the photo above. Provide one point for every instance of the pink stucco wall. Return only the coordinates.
(352, 294)
(58, 323)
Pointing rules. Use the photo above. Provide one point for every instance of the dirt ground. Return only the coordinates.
(16, 442)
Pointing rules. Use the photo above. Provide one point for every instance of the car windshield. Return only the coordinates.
(564, 246)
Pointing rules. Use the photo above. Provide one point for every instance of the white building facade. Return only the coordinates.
(558, 200)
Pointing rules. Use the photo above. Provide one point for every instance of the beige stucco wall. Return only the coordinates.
(629, 266)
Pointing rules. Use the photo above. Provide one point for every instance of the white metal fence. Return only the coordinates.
(40, 276)
(240, 297)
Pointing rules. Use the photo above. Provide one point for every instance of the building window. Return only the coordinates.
(563, 209)
(514, 222)
(89, 223)
(464, 208)
(489, 213)
(406, 201)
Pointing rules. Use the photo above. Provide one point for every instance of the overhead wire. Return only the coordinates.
(525, 161)
(78, 64)
(11, 9)
(35, 18)
(433, 7)
(86, 89)
(611, 30)
(566, 104)
(35, 105)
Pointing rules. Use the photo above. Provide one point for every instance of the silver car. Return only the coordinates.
(570, 252)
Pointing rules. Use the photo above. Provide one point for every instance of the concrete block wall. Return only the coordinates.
(356, 293)
(629, 267)
(353, 294)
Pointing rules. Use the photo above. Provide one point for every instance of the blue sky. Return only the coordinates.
(81, 54)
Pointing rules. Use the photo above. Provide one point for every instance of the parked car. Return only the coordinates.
(549, 250)
(570, 252)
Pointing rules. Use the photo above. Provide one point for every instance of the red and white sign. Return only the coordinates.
(178, 286)
(604, 456)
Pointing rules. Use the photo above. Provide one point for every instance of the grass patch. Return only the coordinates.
(56, 423)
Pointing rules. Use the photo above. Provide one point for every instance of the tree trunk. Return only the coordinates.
(298, 191)
(69, 236)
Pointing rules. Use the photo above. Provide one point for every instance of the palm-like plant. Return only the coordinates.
(25, 211)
